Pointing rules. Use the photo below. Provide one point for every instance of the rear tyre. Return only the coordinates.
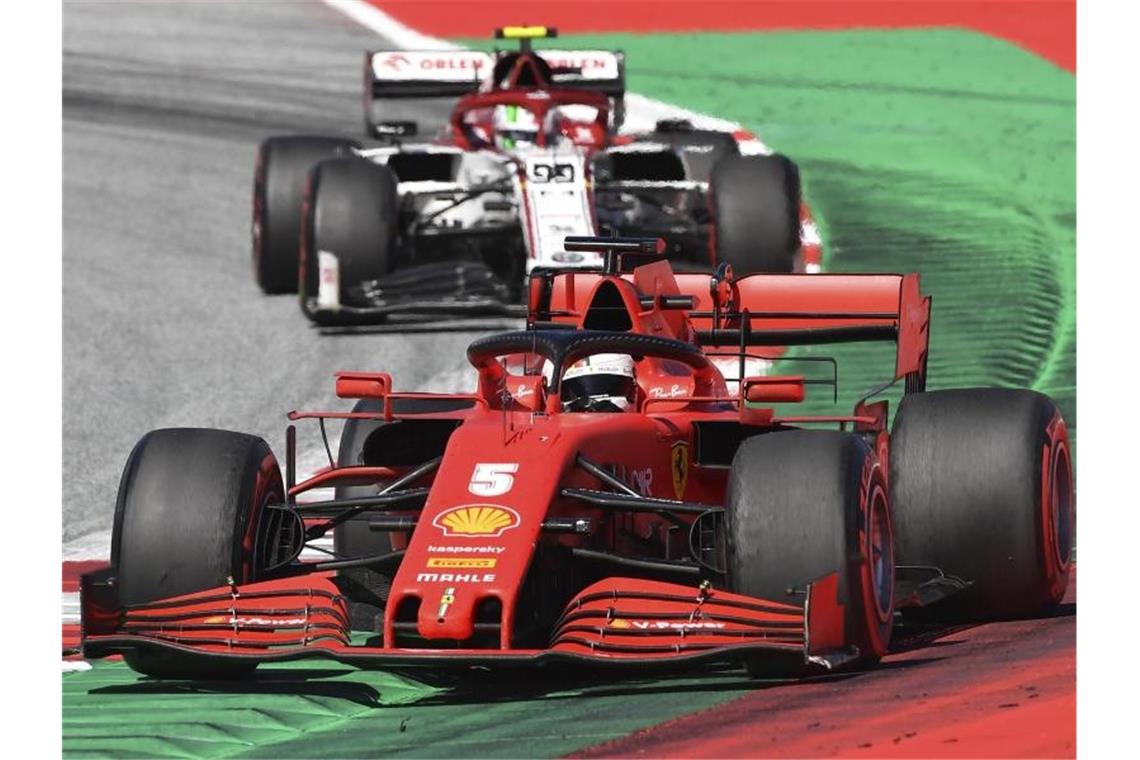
(282, 169)
(185, 520)
(351, 213)
(367, 588)
(803, 505)
(756, 213)
(982, 487)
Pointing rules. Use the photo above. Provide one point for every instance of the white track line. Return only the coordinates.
(376, 20)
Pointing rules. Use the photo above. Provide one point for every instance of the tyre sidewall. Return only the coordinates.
(280, 174)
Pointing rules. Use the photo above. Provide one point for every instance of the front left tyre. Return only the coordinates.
(982, 486)
(186, 520)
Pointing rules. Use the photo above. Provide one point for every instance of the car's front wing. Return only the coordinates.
(448, 288)
(615, 622)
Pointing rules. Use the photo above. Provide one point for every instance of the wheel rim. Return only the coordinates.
(1062, 506)
(267, 490)
(882, 556)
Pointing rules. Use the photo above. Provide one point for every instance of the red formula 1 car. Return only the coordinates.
(603, 497)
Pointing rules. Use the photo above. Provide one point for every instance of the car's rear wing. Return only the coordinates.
(406, 74)
(424, 73)
(395, 75)
(769, 310)
(799, 309)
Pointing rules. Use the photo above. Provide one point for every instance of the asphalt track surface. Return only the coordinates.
(164, 104)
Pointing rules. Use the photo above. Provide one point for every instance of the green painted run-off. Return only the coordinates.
(329, 710)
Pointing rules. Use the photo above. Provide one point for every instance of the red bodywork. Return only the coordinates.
(463, 592)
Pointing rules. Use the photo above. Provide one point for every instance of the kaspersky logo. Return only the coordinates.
(476, 521)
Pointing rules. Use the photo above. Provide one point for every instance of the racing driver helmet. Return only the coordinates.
(599, 383)
(515, 127)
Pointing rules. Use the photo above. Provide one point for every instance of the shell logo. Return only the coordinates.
(477, 521)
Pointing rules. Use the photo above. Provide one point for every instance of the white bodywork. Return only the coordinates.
(550, 196)
(556, 204)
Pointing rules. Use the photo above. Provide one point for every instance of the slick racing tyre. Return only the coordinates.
(982, 488)
(282, 169)
(803, 505)
(351, 216)
(755, 203)
(186, 519)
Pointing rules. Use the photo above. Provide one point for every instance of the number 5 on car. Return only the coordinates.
(492, 479)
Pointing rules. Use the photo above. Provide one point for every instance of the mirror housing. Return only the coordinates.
(773, 389)
(363, 384)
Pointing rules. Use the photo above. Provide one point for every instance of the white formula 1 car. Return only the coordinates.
(533, 151)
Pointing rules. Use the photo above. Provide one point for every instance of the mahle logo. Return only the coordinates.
(476, 521)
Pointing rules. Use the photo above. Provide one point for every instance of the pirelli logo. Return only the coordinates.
(461, 562)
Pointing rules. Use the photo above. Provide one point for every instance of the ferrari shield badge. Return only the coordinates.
(679, 465)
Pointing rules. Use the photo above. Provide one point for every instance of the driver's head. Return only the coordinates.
(599, 383)
(515, 127)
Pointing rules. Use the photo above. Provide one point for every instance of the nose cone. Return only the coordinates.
(476, 534)
(452, 616)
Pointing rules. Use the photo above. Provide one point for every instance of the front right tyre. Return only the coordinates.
(803, 505)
